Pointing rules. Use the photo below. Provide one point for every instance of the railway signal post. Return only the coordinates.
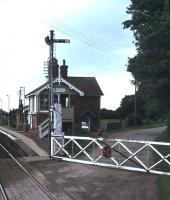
(50, 42)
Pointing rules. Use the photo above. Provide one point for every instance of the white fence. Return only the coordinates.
(115, 153)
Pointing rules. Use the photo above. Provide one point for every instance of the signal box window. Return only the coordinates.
(43, 102)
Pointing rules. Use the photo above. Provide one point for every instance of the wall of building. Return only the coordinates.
(37, 119)
(84, 104)
(33, 126)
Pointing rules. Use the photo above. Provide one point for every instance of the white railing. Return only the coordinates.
(143, 156)
(43, 129)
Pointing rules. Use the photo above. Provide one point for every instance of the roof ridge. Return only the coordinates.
(88, 85)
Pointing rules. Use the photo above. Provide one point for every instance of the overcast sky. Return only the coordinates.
(99, 46)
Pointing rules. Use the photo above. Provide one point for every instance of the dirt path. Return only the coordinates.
(70, 181)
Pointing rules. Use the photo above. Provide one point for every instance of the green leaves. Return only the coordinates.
(150, 24)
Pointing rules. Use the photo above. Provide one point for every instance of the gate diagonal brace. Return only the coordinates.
(123, 155)
(163, 158)
(117, 146)
(82, 149)
(130, 159)
(61, 147)
(134, 155)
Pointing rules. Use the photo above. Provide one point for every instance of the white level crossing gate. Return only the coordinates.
(142, 156)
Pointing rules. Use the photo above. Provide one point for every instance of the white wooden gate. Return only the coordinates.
(142, 156)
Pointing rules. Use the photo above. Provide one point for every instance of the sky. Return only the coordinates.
(99, 46)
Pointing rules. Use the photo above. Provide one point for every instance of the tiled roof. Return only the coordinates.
(88, 85)
(37, 89)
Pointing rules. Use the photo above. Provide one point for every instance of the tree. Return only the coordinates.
(3, 117)
(127, 108)
(108, 114)
(150, 68)
(12, 118)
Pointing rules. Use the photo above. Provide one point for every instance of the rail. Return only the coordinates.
(44, 190)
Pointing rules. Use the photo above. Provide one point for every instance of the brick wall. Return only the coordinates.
(84, 104)
(37, 119)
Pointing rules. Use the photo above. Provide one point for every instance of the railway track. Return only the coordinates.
(16, 182)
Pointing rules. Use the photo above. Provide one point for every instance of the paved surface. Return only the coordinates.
(70, 181)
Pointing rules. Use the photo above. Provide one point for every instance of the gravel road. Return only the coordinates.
(138, 134)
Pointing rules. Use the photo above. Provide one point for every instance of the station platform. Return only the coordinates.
(24, 142)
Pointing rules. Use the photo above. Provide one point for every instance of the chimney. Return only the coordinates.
(55, 67)
(63, 70)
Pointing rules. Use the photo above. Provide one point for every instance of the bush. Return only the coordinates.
(168, 123)
(163, 182)
(113, 125)
(131, 120)
(163, 187)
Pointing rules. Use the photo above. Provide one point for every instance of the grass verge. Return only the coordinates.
(163, 182)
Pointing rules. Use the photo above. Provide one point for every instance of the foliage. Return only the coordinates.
(12, 118)
(163, 187)
(168, 123)
(150, 24)
(113, 125)
(108, 114)
(127, 108)
(3, 117)
(163, 182)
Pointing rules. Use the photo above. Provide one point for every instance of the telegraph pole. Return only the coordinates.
(50, 42)
(22, 107)
(1, 111)
(8, 107)
(135, 108)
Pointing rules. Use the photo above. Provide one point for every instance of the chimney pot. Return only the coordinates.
(63, 70)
